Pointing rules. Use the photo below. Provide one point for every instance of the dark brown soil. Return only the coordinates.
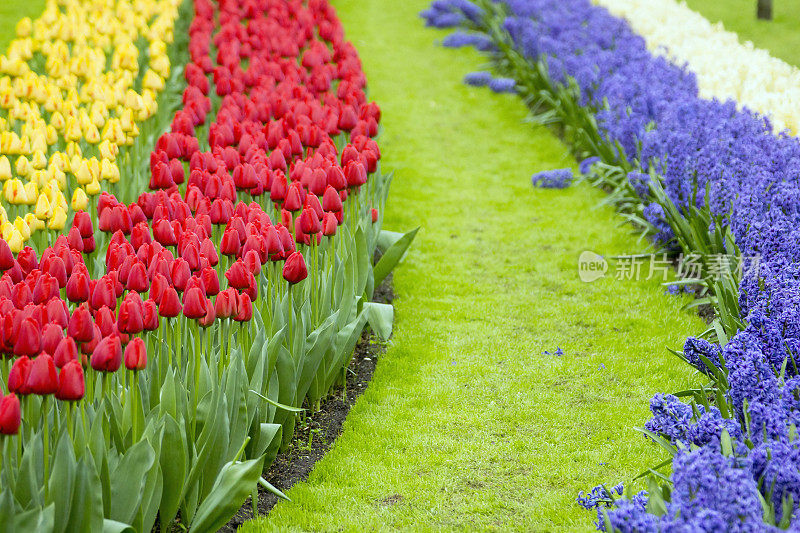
(314, 437)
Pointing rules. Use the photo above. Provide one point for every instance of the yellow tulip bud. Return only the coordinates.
(59, 219)
(24, 27)
(58, 121)
(43, 209)
(31, 192)
(83, 174)
(109, 171)
(14, 192)
(80, 202)
(6, 229)
(22, 227)
(34, 223)
(5, 168)
(73, 150)
(23, 166)
(39, 161)
(15, 241)
(93, 188)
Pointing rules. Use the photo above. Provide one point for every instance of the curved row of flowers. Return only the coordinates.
(76, 87)
(724, 67)
(160, 351)
(702, 176)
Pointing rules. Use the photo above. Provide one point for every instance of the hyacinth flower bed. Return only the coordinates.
(700, 176)
(215, 267)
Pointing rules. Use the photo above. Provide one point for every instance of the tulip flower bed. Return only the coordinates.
(705, 178)
(160, 352)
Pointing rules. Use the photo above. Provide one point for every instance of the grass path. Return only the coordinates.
(467, 423)
(781, 36)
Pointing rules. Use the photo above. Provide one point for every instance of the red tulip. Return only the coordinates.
(329, 225)
(83, 221)
(131, 314)
(28, 338)
(210, 281)
(374, 213)
(331, 201)
(211, 316)
(18, 375)
(194, 303)
(71, 386)
(57, 313)
(309, 222)
(230, 243)
(104, 293)
(65, 352)
(10, 415)
(107, 355)
(43, 378)
(180, 273)
(225, 305)
(170, 305)
(294, 270)
(137, 278)
(78, 285)
(136, 355)
(81, 325)
(244, 308)
(6, 257)
(105, 321)
(150, 315)
(52, 334)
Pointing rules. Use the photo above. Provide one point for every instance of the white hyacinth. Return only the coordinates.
(725, 68)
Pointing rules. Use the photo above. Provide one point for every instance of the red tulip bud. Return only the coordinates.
(131, 314)
(170, 305)
(43, 378)
(10, 415)
(18, 376)
(71, 387)
(150, 315)
(65, 352)
(28, 338)
(294, 270)
(136, 355)
(78, 285)
(107, 355)
(194, 303)
(244, 308)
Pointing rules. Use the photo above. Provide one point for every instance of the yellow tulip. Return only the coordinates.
(31, 192)
(23, 166)
(22, 227)
(15, 241)
(93, 188)
(59, 219)
(14, 192)
(43, 209)
(34, 223)
(83, 175)
(5, 168)
(39, 161)
(109, 171)
(80, 202)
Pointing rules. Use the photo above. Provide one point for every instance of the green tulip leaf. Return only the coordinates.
(231, 488)
(393, 255)
(380, 318)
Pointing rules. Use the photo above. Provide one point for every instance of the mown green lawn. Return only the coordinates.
(10, 13)
(468, 424)
(781, 36)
